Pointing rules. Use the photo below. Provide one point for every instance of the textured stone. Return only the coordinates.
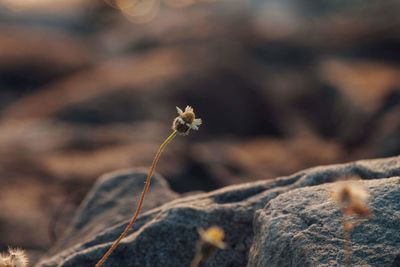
(166, 235)
(303, 228)
(112, 200)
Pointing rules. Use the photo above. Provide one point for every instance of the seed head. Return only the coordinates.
(211, 240)
(213, 236)
(186, 121)
(3, 260)
(351, 198)
(14, 258)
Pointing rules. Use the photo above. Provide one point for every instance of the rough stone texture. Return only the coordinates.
(113, 200)
(303, 228)
(166, 236)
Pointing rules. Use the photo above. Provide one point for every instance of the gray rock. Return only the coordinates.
(303, 228)
(112, 200)
(166, 235)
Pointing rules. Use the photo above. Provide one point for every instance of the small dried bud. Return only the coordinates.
(15, 258)
(351, 198)
(213, 236)
(211, 239)
(186, 121)
(3, 260)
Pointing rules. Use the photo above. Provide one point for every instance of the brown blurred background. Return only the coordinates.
(87, 87)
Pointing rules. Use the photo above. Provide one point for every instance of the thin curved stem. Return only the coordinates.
(347, 244)
(141, 200)
(196, 260)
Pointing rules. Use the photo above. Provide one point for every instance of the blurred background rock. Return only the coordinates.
(88, 87)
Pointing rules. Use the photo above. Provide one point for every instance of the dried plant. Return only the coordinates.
(351, 198)
(14, 258)
(181, 125)
(210, 240)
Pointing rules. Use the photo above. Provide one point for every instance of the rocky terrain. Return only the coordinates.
(288, 221)
(281, 86)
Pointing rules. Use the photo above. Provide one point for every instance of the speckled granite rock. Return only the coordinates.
(303, 228)
(166, 235)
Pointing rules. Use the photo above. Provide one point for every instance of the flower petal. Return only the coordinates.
(188, 109)
(180, 112)
(197, 122)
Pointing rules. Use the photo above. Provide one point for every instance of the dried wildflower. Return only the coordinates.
(186, 121)
(3, 260)
(213, 236)
(351, 199)
(181, 125)
(211, 239)
(14, 258)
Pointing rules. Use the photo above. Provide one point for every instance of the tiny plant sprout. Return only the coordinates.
(351, 198)
(181, 125)
(210, 240)
(14, 258)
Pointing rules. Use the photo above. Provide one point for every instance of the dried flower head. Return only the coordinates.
(14, 258)
(211, 240)
(182, 125)
(213, 236)
(351, 198)
(3, 260)
(186, 121)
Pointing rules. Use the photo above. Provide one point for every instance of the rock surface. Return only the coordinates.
(303, 228)
(112, 200)
(166, 235)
